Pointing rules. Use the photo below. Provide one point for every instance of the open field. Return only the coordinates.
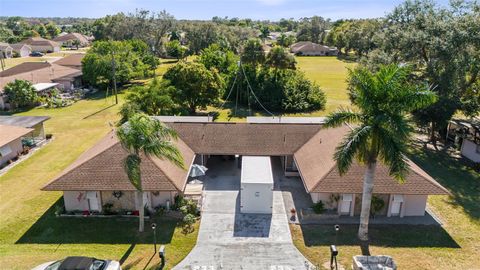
(453, 246)
(30, 233)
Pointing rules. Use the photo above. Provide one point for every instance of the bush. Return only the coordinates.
(190, 207)
(318, 207)
(377, 205)
(108, 209)
(21, 93)
(188, 221)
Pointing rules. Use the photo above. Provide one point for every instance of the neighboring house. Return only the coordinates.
(11, 142)
(6, 51)
(305, 149)
(39, 44)
(73, 61)
(68, 40)
(466, 134)
(67, 77)
(307, 48)
(35, 123)
(21, 50)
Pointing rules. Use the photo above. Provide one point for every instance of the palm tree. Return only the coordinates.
(143, 137)
(382, 127)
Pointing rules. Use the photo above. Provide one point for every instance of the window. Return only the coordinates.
(5, 150)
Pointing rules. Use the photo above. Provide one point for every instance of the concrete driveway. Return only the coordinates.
(228, 239)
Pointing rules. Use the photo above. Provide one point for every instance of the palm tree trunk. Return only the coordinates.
(366, 200)
(141, 211)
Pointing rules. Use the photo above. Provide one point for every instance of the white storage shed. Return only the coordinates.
(256, 187)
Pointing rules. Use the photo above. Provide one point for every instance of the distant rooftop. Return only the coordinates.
(22, 121)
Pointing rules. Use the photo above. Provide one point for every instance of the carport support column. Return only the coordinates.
(352, 207)
(390, 200)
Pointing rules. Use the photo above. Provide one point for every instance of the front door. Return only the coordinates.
(93, 201)
(396, 205)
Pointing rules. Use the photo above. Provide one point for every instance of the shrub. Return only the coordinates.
(318, 207)
(20, 93)
(190, 207)
(188, 221)
(108, 209)
(377, 205)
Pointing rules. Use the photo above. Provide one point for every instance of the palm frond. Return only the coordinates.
(341, 116)
(392, 152)
(354, 141)
(132, 168)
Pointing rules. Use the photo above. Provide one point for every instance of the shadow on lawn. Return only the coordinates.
(49, 229)
(454, 173)
(380, 235)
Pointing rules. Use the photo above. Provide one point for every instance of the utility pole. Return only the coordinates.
(2, 61)
(114, 78)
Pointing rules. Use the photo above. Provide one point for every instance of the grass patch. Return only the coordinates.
(452, 246)
(30, 234)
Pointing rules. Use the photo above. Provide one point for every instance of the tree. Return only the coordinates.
(76, 43)
(222, 59)
(264, 32)
(52, 30)
(253, 52)
(145, 137)
(383, 128)
(175, 49)
(126, 56)
(155, 98)
(195, 85)
(279, 58)
(20, 93)
(285, 40)
(443, 45)
(312, 29)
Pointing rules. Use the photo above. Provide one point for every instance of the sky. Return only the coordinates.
(203, 9)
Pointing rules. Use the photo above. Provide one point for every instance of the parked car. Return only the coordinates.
(36, 54)
(80, 263)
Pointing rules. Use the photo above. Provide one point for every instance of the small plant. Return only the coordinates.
(108, 209)
(48, 136)
(59, 209)
(318, 207)
(188, 221)
(179, 201)
(377, 205)
(189, 207)
(293, 211)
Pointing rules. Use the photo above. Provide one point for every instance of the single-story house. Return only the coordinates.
(306, 150)
(72, 60)
(11, 142)
(307, 48)
(69, 39)
(40, 72)
(35, 123)
(21, 50)
(39, 44)
(466, 134)
(6, 51)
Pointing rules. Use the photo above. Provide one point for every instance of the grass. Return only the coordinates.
(29, 232)
(452, 246)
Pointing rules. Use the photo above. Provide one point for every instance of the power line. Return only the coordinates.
(253, 93)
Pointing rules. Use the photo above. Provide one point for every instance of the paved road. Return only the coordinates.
(230, 240)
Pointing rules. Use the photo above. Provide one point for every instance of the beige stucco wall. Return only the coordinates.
(414, 205)
(125, 202)
(44, 48)
(77, 201)
(16, 146)
(469, 150)
(24, 52)
(161, 198)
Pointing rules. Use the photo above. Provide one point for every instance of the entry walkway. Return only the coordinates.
(228, 239)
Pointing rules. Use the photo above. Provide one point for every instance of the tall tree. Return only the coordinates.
(145, 137)
(195, 85)
(382, 126)
(253, 52)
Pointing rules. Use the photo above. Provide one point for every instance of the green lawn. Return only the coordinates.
(453, 246)
(30, 233)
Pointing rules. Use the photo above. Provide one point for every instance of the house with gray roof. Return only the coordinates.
(304, 150)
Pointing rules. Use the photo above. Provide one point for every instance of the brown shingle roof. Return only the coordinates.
(101, 168)
(73, 60)
(37, 72)
(10, 133)
(18, 46)
(72, 36)
(244, 138)
(4, 46)
(320, 174)
(38, 41)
